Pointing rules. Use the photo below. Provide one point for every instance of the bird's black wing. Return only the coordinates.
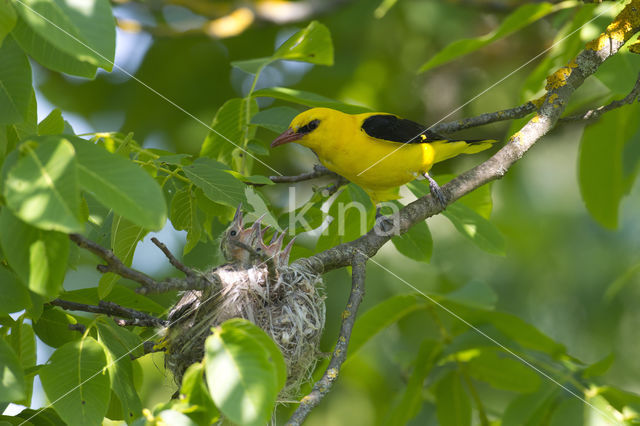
(395, 129)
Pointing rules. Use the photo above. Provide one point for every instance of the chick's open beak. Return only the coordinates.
(288, 136)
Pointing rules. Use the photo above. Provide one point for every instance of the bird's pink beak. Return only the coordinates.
(288, 136)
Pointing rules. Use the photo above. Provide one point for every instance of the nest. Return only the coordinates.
(287, 302)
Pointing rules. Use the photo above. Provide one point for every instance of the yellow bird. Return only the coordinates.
(377, 151)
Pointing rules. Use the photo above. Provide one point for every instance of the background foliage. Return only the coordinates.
(544, 261)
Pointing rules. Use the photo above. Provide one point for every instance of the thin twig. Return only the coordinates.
(594, 114)
(486, 118)
(317, 172)
(175, 262)
(323, 386)
(134, 317)
(81, 328)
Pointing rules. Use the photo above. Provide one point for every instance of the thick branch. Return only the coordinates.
(323, 386)
(560, 87)
(114, 264)
(134, 317)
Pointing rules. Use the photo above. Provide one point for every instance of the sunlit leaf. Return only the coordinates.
(15, 296)
(308, 99)
(518, 19)
(125, 237)
(12, 386)
(42, 187)
(7, 19)
(241, 376)
(120, 185)
(607, 171)
(15, 80)
(52, 124)
(76, 382)
(83, 30)
(229, 127)
(120, 343)
(38, 257)
(184, 216)
(217, 184)
(202, 409)
(311, 44)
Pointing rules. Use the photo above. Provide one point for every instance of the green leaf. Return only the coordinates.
(503, 372)
(40, 48)
(531, 409)
(522, 332)
(380, 317)
(218, 185)
(53, 327)
(259, 208)
(76, 382)
(41, 417)
(411, 399)
(311, 44)
(38, 257)
(241, 375)
(452, 401)
(120, 343)
(476, 228)
(308, 99)
(42, 187)
(416, 243)
(229, 129)
(607, 171)
(569, 411)
(12, 385)
(184, 216)
(518, 19)
(600, 367)
(125, 236)
(276, 119)
(29, 126)
(475, 294)
(202, 409)
(52, 124)
(479, 200)
(83, 30)
(7, 19)
(15, 296)
(23, 341)
(252, 66)
(15, 82)
(120, 185)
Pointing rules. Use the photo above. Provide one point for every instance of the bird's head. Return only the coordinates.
(307, 127)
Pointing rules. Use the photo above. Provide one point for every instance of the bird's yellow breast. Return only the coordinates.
(373, 164)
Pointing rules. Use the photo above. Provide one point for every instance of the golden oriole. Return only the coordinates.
(377, 151)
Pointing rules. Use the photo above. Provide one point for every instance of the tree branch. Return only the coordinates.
(560, 86)
(323, 386)
(318, 171)
(172, 259)
(594, 114)
(134, 317)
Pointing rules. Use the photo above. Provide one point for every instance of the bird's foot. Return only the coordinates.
(436, 192)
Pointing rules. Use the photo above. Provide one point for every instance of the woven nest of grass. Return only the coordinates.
(288, 307)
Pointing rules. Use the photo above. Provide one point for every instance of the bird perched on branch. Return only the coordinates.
(377, 151)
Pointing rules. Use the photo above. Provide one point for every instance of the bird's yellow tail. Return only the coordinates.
(448, 149)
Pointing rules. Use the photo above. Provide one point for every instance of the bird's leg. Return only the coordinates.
(436, 192)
